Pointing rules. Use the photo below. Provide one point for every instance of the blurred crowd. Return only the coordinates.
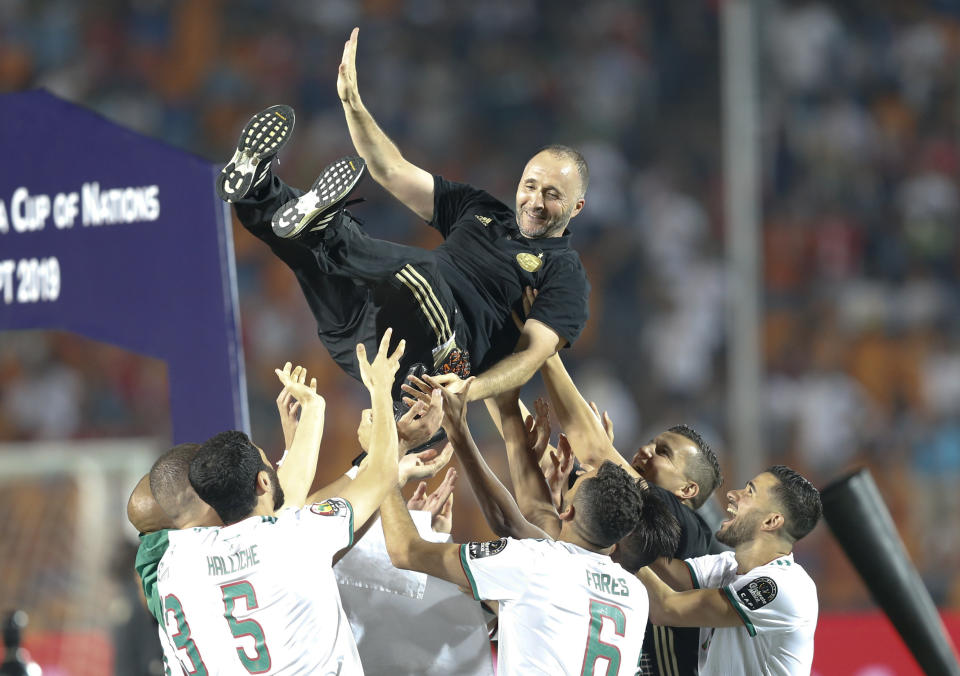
(860, 133)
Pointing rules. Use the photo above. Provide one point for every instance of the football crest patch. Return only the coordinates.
(758, 593)
(480, 550)
(326, 508)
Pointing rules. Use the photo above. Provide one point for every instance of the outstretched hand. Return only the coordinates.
(454, 402)
(605, 419)
(379, 373)
(425, 464)
(538, 429)
(556, 467)
(294, 395)
(439, 503)
(422, 421)
(347, 74)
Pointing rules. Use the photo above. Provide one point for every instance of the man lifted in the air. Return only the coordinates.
(453, 305)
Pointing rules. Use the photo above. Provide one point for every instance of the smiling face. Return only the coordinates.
(663, 462)
(548, 196)
(747, 510)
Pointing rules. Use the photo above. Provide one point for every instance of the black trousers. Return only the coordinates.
(357, 286)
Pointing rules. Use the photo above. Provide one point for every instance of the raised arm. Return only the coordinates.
(694, 608)
(497, 504)
(298, 468)
(533, 494)
(409, 551)
(585, 431)
(367, 491)
(408, 183)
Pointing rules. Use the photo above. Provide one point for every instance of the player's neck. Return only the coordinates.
(758, 552)
(569, 532)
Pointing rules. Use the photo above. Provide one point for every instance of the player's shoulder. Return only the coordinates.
(783, 580)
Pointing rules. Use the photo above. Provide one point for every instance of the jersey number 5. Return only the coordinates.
(597, 649)
(260, 662)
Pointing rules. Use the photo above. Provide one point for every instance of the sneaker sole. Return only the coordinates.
(263, 137)
(334, 185)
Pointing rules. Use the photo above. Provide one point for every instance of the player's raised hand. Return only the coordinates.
(438, 502)
(379, 373)
(293, 379)
(422, 421)
(556, 467)
(454, 401)
(425, 464)
(347, 75)
(538, 429)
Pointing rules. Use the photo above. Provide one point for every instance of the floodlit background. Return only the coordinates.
(858, 126)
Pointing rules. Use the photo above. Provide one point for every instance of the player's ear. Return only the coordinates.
(263, 482)
(689, 490)
(567, 514)
(774, 521)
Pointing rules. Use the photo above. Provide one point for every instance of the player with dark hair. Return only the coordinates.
(600, 617)
(681, 472)
(453, 304)
(761, 602)
(230, 593)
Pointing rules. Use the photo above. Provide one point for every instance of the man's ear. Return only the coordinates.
(689, 490)
(774, 521)
(567, 514)
(263, 482)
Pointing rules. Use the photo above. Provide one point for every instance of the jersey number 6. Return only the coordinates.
(597, 649)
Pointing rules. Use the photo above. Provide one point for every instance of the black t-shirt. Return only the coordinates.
(675, 650)
(487, 262)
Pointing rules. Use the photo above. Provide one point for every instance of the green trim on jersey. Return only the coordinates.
(350, 507)
(693, 575)
(152, 548)
(743, 616)
(466, 569)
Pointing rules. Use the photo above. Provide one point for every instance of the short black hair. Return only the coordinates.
(224, 474)
(799, 499)
(169, 479)
(608, 505)
(575, 156)
(703, 468)
(657, 534)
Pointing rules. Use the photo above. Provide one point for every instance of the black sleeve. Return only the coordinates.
(562, 296)
(450, 201)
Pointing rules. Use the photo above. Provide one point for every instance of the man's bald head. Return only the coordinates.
(170, 485)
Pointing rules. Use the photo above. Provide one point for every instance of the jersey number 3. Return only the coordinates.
(243, 590)
(597, 649)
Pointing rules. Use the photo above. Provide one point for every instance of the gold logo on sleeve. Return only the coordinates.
(529, 262)
(485, 220)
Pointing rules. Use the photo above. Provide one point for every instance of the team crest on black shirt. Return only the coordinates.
(529, 262)
(758, 593)
(480, 550)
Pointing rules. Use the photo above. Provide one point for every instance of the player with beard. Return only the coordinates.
(760, 602)
(680, 469)
(259, 594)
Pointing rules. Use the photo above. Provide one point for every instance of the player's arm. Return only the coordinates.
(674, 572)
(579, 422)
(694, 608)
(298, 468)
(409, 551)
(537, 342)
(533, 494)
(143, 511)
(408, 183)
(497, 504)
(367, 491)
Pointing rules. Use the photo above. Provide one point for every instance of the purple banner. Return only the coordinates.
(121, 238)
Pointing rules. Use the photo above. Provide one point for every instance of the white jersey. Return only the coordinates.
(258, 596)
(778, 605)
(563, 609)
(408, 623)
